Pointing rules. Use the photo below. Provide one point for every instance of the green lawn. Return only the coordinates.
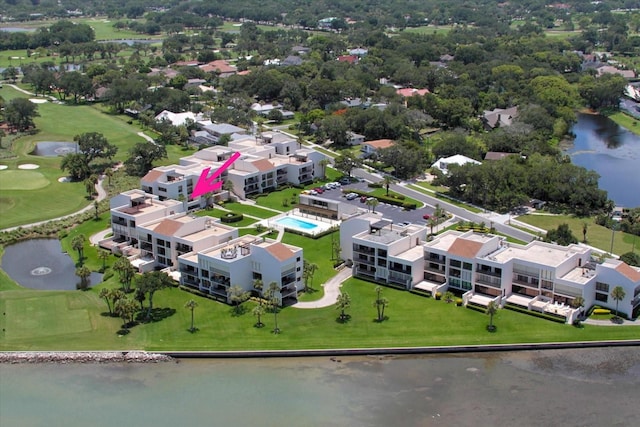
(27, 195)
(597, 235)
(75, 320)
(626, 121)
(250, 210)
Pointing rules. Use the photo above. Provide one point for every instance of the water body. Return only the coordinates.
(53, 148)
(41, 264)
(613, 152)
(17, 29)
(556, 388)
(131, 42)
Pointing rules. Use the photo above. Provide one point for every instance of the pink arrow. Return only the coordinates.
(205, 185)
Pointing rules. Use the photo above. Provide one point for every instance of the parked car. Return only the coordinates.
(344, 180)
(351, 196)
(318, 190)
(363, 199)
(426, 216)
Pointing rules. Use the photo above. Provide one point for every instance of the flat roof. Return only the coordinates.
(538, 252)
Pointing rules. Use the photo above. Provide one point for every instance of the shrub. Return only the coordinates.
(458, 302)
(438, 296)
(231, 217)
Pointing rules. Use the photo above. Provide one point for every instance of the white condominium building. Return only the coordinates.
(244, 262)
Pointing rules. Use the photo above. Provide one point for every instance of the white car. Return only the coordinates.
(351, 196)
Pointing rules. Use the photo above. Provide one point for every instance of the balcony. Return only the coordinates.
(487, 279)
(436, 258)
(364, 260)
(435, 268)
(364, 250)
(365, 273)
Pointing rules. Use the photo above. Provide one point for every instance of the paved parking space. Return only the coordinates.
(394, 213)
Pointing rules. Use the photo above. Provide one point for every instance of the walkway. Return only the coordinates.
(610, 323)
(331, 291)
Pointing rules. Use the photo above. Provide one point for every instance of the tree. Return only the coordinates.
(90, 187)
(372, 202)
(387, 181)
(561, 235)
(258, 311)
(237, 296)
(577, 302)
(76, 165)
(94, 145)
(273, 301)
(19, 114)
(108, 173)
(448, 297)
(191, 305)
(323, 164)
(125, 309)
(83, 273)
(125, 271)
(380, 303)
(343, 303)
(104, 256)
(142, 156)
(258, 285)
(104, 293)
(618, 295)
(585, 226)
(151, 282)
(631, 258)
(308, 271)
(77, 244)
(492, 309)
(345, 163)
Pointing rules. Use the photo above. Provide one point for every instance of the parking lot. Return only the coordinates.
(394, 213)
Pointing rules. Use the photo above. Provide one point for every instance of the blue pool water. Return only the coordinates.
(297, 223)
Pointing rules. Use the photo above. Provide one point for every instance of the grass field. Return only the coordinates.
(76, 320)
(597, 235)
(27, 196)
(626, 121)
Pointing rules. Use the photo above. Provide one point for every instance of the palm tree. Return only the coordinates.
(618, 295)
(83, 273)
(387, 181)
(191, 305)
(448, 297)
(258, 285)
(492, 309)
(108, 173)
(237, 296)
(308, 271)
(323, 164)
(77, 244)
(380, 303)
(104, 256)
(343, 303)
(584, 232)
(258, 311)
(96, 206)
(125, 308)
(274, 304)
(372, 202)
(104, 293)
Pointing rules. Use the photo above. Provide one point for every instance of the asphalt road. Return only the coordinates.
(455, 210)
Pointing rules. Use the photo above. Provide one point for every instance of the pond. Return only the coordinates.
(41, 264)
(54, 148)
(613, 152)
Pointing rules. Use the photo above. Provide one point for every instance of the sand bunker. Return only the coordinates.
(37, 100)
(28, 166)
(64, 179)
(3, 167)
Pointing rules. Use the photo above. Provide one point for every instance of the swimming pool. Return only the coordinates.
(296, 223)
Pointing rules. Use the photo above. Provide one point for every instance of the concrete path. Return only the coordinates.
(331, 291)
(610, 323)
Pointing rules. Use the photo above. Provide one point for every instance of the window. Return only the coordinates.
(455, 263)
(602, 287)
(602, 297)
(466, 266)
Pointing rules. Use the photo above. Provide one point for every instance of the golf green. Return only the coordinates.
(22, 180)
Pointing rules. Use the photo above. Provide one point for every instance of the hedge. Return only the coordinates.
(559, 319)
(231, 217)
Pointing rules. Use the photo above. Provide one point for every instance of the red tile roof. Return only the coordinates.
(263, 165)
(219, 65)
(406, 92)
(152, 175)
(380, 143)
(465, 248)
(628, 272)
(168, 227)
(280, 251)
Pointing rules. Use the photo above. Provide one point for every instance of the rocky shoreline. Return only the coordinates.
(82, 357)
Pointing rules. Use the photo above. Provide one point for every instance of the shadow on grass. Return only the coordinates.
(377, 320)
(123, 332)
(192, 330)
(617, 320)
(157, 314)
(259, 325)
(492, 328)
(344, 319)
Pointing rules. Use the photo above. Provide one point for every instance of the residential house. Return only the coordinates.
(220, 67)
(178, 119)
(354, 138)
(216, 130)
(499, 117)
(371, 147)
(241, 262)
(497, 155)
(409, 92)
(351, 59)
